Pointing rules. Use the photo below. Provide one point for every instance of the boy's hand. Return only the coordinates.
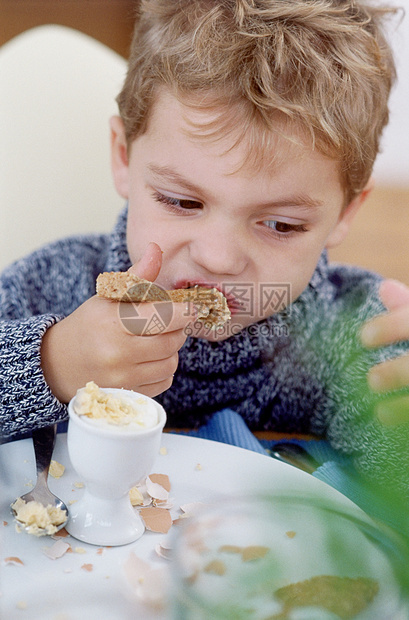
(385, 329)
(93, 344)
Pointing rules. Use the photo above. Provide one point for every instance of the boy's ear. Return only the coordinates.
(341, 230)
(119, 156)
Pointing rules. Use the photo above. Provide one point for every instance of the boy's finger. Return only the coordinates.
(394, 294)
(390, 375)
(148, 267)
(393, 326)
(387, 328)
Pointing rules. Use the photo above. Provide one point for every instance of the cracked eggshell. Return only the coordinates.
(162, 479)
(156, 519)
(57, 550)
(156, 491)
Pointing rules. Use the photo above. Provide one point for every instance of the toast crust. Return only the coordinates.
(211, 305)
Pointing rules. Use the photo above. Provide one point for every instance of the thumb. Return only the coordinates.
(149, 265)
(394, 294)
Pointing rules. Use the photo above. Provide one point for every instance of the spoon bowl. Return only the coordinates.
(43, 441)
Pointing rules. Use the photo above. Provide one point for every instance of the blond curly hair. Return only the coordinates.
(323, 65)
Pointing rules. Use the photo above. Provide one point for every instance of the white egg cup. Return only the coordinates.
(109, 461)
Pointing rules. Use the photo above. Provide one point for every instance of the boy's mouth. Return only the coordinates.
(232, 302)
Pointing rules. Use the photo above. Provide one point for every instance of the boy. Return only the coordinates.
(244, 147)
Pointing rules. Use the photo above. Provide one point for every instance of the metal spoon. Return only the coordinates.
(293, 454)
(44, 441)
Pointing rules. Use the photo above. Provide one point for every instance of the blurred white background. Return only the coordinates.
(392, 165)
(57, 93)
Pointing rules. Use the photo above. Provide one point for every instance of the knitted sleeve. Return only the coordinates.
(35, 293)
(26, 401)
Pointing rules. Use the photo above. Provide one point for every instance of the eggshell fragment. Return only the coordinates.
(253, 552)
(164, 551)
(13, 560)
(156, 519)
(215, 567)
(62, 533)
(146, 498)
(163, 504)
(57, 550)
(161, 479)
(156, 491)
(231, 549)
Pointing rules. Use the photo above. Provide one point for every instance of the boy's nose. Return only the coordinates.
(219, 252)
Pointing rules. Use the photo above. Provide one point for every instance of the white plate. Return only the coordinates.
(199, 470)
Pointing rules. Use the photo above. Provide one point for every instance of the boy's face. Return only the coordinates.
(254, 234)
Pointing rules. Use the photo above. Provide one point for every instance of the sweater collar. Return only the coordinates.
(321, 271)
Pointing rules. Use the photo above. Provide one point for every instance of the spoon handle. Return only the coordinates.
(294, 454)
(44, 440)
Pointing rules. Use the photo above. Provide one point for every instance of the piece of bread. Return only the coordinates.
(211, 304)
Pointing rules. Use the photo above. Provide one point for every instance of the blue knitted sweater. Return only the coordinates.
(302, 370)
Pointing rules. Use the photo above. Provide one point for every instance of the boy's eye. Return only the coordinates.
(284, 228)
(179, 203)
